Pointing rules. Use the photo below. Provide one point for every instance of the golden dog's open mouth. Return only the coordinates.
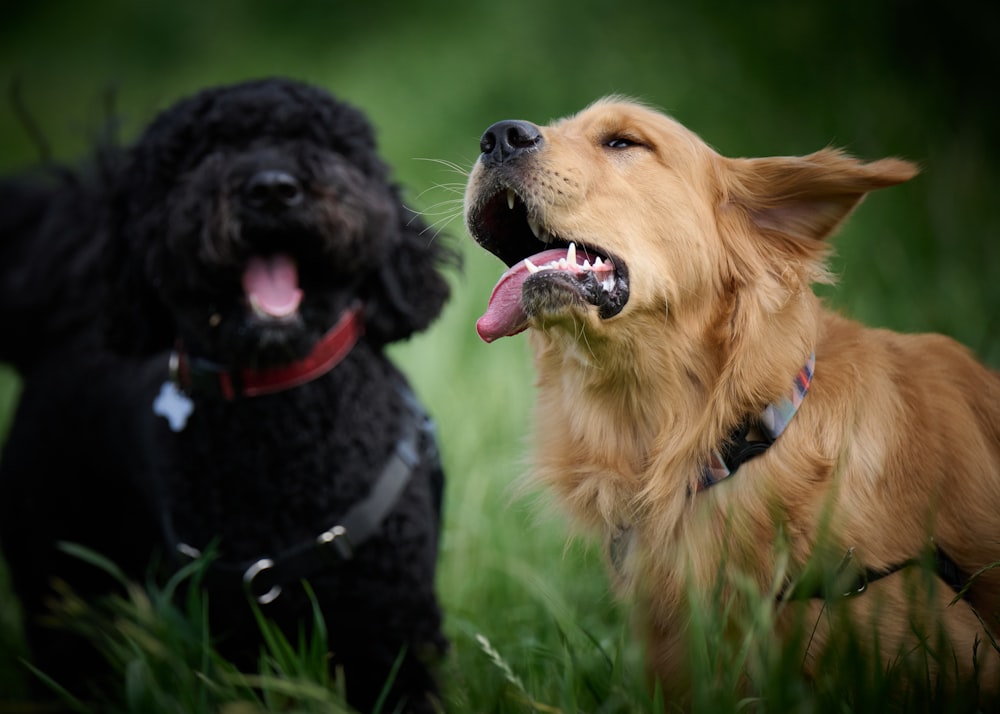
(545, 272)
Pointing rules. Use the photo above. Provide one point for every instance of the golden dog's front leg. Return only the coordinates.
(668, 658)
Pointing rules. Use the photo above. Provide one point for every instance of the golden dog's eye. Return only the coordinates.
(620, 142)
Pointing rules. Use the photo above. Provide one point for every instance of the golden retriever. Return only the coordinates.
(667, 294)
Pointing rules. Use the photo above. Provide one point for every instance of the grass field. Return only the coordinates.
(529, 612)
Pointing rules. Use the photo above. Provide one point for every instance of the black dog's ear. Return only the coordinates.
(408, 291)
(136, 322)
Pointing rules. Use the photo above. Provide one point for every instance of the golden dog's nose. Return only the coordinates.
(509, 139)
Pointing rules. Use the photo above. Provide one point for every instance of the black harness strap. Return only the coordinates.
(753, 437)
(264, 578)
(944, 567)
(948, 570)
(739, 448)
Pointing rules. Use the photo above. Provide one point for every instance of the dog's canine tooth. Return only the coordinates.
(532, 268)
(510, 198)
(571, 254)
(535, 228)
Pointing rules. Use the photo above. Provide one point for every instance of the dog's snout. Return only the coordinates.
(508, 139)
(272, 188)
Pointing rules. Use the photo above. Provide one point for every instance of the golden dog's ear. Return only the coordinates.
(805, 198)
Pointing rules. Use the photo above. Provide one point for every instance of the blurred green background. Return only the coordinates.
(904, 77)
(909, 78)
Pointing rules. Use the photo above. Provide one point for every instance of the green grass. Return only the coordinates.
(547, 654)
(532, 621)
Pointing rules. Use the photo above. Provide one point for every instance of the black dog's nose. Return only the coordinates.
(508, 139)
(272, 188)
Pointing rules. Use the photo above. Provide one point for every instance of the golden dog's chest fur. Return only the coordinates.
(896, 446)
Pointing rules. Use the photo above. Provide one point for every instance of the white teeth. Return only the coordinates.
(569, 263)
(535, 228)
(510, 199)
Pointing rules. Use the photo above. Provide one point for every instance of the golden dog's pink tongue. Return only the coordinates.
(505, 316)
(272, 285)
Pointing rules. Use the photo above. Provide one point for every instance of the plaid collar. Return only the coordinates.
(737, 449)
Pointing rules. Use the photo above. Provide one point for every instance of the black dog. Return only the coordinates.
(199, 322)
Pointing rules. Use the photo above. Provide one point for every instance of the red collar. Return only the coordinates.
(199, 375)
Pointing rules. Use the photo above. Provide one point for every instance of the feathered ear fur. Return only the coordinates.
(408, 291)
(775, 216)
(794, 203)
(805, 198)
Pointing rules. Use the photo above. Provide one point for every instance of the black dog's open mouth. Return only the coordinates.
(271, 286)
(269, 322)
(540, 260)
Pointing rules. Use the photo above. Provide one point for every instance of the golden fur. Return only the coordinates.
(896, 443)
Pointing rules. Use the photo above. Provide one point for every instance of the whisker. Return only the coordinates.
(441, 214)
(444, 212)
(581, 335)
(457, 168)
(438, 226)
(451, 205)
(458, 188)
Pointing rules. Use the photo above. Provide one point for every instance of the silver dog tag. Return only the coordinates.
(173, 405)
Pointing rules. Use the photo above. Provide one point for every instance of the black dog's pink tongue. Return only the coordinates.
(272, 285)
(505, 316)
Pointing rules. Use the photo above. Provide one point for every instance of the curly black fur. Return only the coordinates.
(100, 276)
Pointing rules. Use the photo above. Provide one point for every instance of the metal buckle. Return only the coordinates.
(188, 551)
(174, 367)
(252, 572)
(862, 576)
(859, 589)
(337, 537)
